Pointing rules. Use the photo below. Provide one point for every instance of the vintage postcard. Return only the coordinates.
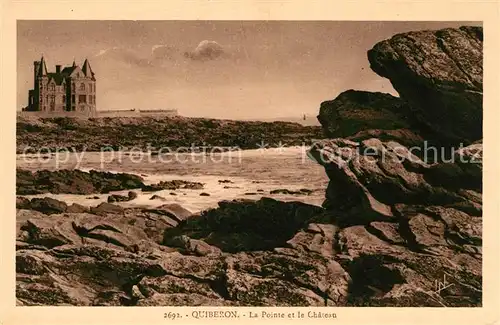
(209, 166)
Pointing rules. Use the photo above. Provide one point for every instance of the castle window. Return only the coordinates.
(52, 87)
(73, 87)
(63, 99)
(82, 86)
(82, 98)
(46, 98)
(73, 99)
(90, 87)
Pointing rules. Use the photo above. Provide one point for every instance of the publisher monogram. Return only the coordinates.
(439, 286)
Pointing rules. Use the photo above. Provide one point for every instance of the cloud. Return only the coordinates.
(117, 54)
(164, 52)
(102, 52)
(206, 50)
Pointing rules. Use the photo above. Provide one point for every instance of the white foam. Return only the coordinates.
(263, 169)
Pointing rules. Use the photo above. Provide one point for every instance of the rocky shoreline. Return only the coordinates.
(391, 226)
(153, 134)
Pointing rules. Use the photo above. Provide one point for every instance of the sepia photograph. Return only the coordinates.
(249, 163)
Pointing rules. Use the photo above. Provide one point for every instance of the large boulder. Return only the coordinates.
(22, 202)
(367, 178)
(399, 263)
(440, 73)
(106, 224)
(401, 224)
(105, 208)
(48, 205)
(358, 115)
(246, 225)
(74, 182)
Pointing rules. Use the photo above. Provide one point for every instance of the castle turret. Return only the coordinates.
(87, 70)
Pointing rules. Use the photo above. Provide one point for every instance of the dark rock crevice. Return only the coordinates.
(371, 276)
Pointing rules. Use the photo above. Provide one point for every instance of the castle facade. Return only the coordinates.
(72, 89)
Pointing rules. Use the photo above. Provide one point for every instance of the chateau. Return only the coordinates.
(71, 92)
(72, 89)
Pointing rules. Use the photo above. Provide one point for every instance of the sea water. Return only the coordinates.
(252, 174)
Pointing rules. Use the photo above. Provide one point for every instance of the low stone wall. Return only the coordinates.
(136, 113)
(55, 114)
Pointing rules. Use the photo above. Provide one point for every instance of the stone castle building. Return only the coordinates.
(72, 89)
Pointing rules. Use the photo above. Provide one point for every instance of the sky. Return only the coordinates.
(218, 69)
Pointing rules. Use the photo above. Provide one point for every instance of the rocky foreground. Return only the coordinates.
(392, 225)
(365, 247)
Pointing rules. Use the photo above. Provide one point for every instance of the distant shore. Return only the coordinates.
(154, 133)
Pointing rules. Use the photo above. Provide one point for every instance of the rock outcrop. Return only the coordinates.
(369, 177)
(122, 198)
(166, 257)
(404, 218)
(360, 115)
(173, 185)
(404, 224)
(440, 73)
(246, 225)
(125, 133)
(74, 181)
(439, 78)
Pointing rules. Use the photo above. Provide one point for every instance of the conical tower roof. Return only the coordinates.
(87, 69)
(42, 70)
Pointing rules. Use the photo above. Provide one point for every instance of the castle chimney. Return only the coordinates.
(36, 65)
(58, 68)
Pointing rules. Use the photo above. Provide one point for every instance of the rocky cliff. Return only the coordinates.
(439, 78)
(440, 73)
(412, 206)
